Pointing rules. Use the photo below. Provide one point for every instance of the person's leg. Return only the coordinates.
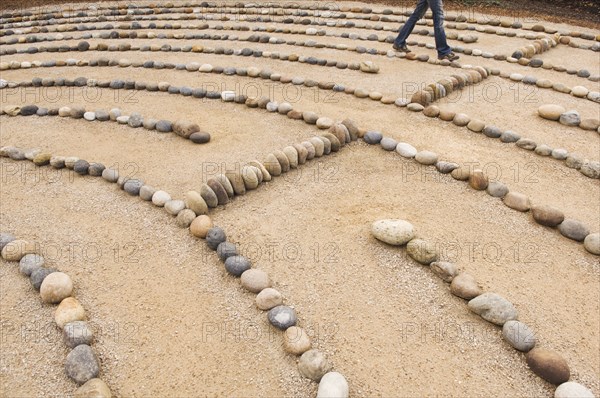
(438, 27)
(410, 23)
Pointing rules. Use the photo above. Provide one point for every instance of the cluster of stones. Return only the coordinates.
(443, 87)
(182, 128)
(56, 287)
(225, 37)
(312, 363)
(538, 46)
(566, 40)
(321, 11)
(121, 34)
(191, 213)
(366, 66)
(525, 56)
(572, 117)
(547, 364)
(589, 168)
(477, 180)
(577, 91)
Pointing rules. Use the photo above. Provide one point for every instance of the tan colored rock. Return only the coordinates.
(465, 286)
(237, 182)
(93, 388)
(266, 176)
(194, 201)
(268, 298)
(296, 341)
(56, 287)
(69, 310)
(200, 226)
(17, 249)
(478, 180)
(517, 201)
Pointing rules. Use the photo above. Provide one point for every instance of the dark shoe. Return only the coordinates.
(449, 57)
(403, 48)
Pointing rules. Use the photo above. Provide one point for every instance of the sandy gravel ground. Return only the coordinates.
(169, 320)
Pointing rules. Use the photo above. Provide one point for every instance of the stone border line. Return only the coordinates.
(521, 56)
(477, 180)
(566, 40)
(312, 363)
(182, 128)
(588, 168)
(475, 52)
(364, 66)
(55, 287)
(322, 12)
(491, 307)
(569, 118)
(577, 91)
(217, 191)
(338, 135)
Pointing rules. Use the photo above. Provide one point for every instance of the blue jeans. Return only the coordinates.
(438, 25)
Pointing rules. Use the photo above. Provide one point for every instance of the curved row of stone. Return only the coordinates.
(135, 26)
(339, 12)
(577, 91)
(568, 118)
(521, 56)
(589, 168)
(55, 287)
(567, 41)
(364, 66)
(312, 363)
(182, 128)
(191, 214)
(491, 307)
(340, 134)
(432, 92)
(477, 180)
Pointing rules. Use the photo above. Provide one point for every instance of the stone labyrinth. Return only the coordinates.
(264, 199)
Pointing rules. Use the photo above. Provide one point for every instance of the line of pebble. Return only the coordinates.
(492, 307)
(55, 287)
(134, 26)
(340, 133)
(589, 168)
(192, 212)
(363, 66)
(577, 91)
(338, 130)
(182, 128)
(477, 180)
(572, 117)
(312, 363)
(434, 91)
(522, 56)
(325, 11)
(568, 41)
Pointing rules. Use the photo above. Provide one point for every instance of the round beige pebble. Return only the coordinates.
(296, 341)
(56, 287)
(268, 298)
(17, 249)
(551, 111)
(200, 226)
(324, 123)
(254, 280)
(69, 310)
(461, 120)
(592, 243)
(93, 388)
